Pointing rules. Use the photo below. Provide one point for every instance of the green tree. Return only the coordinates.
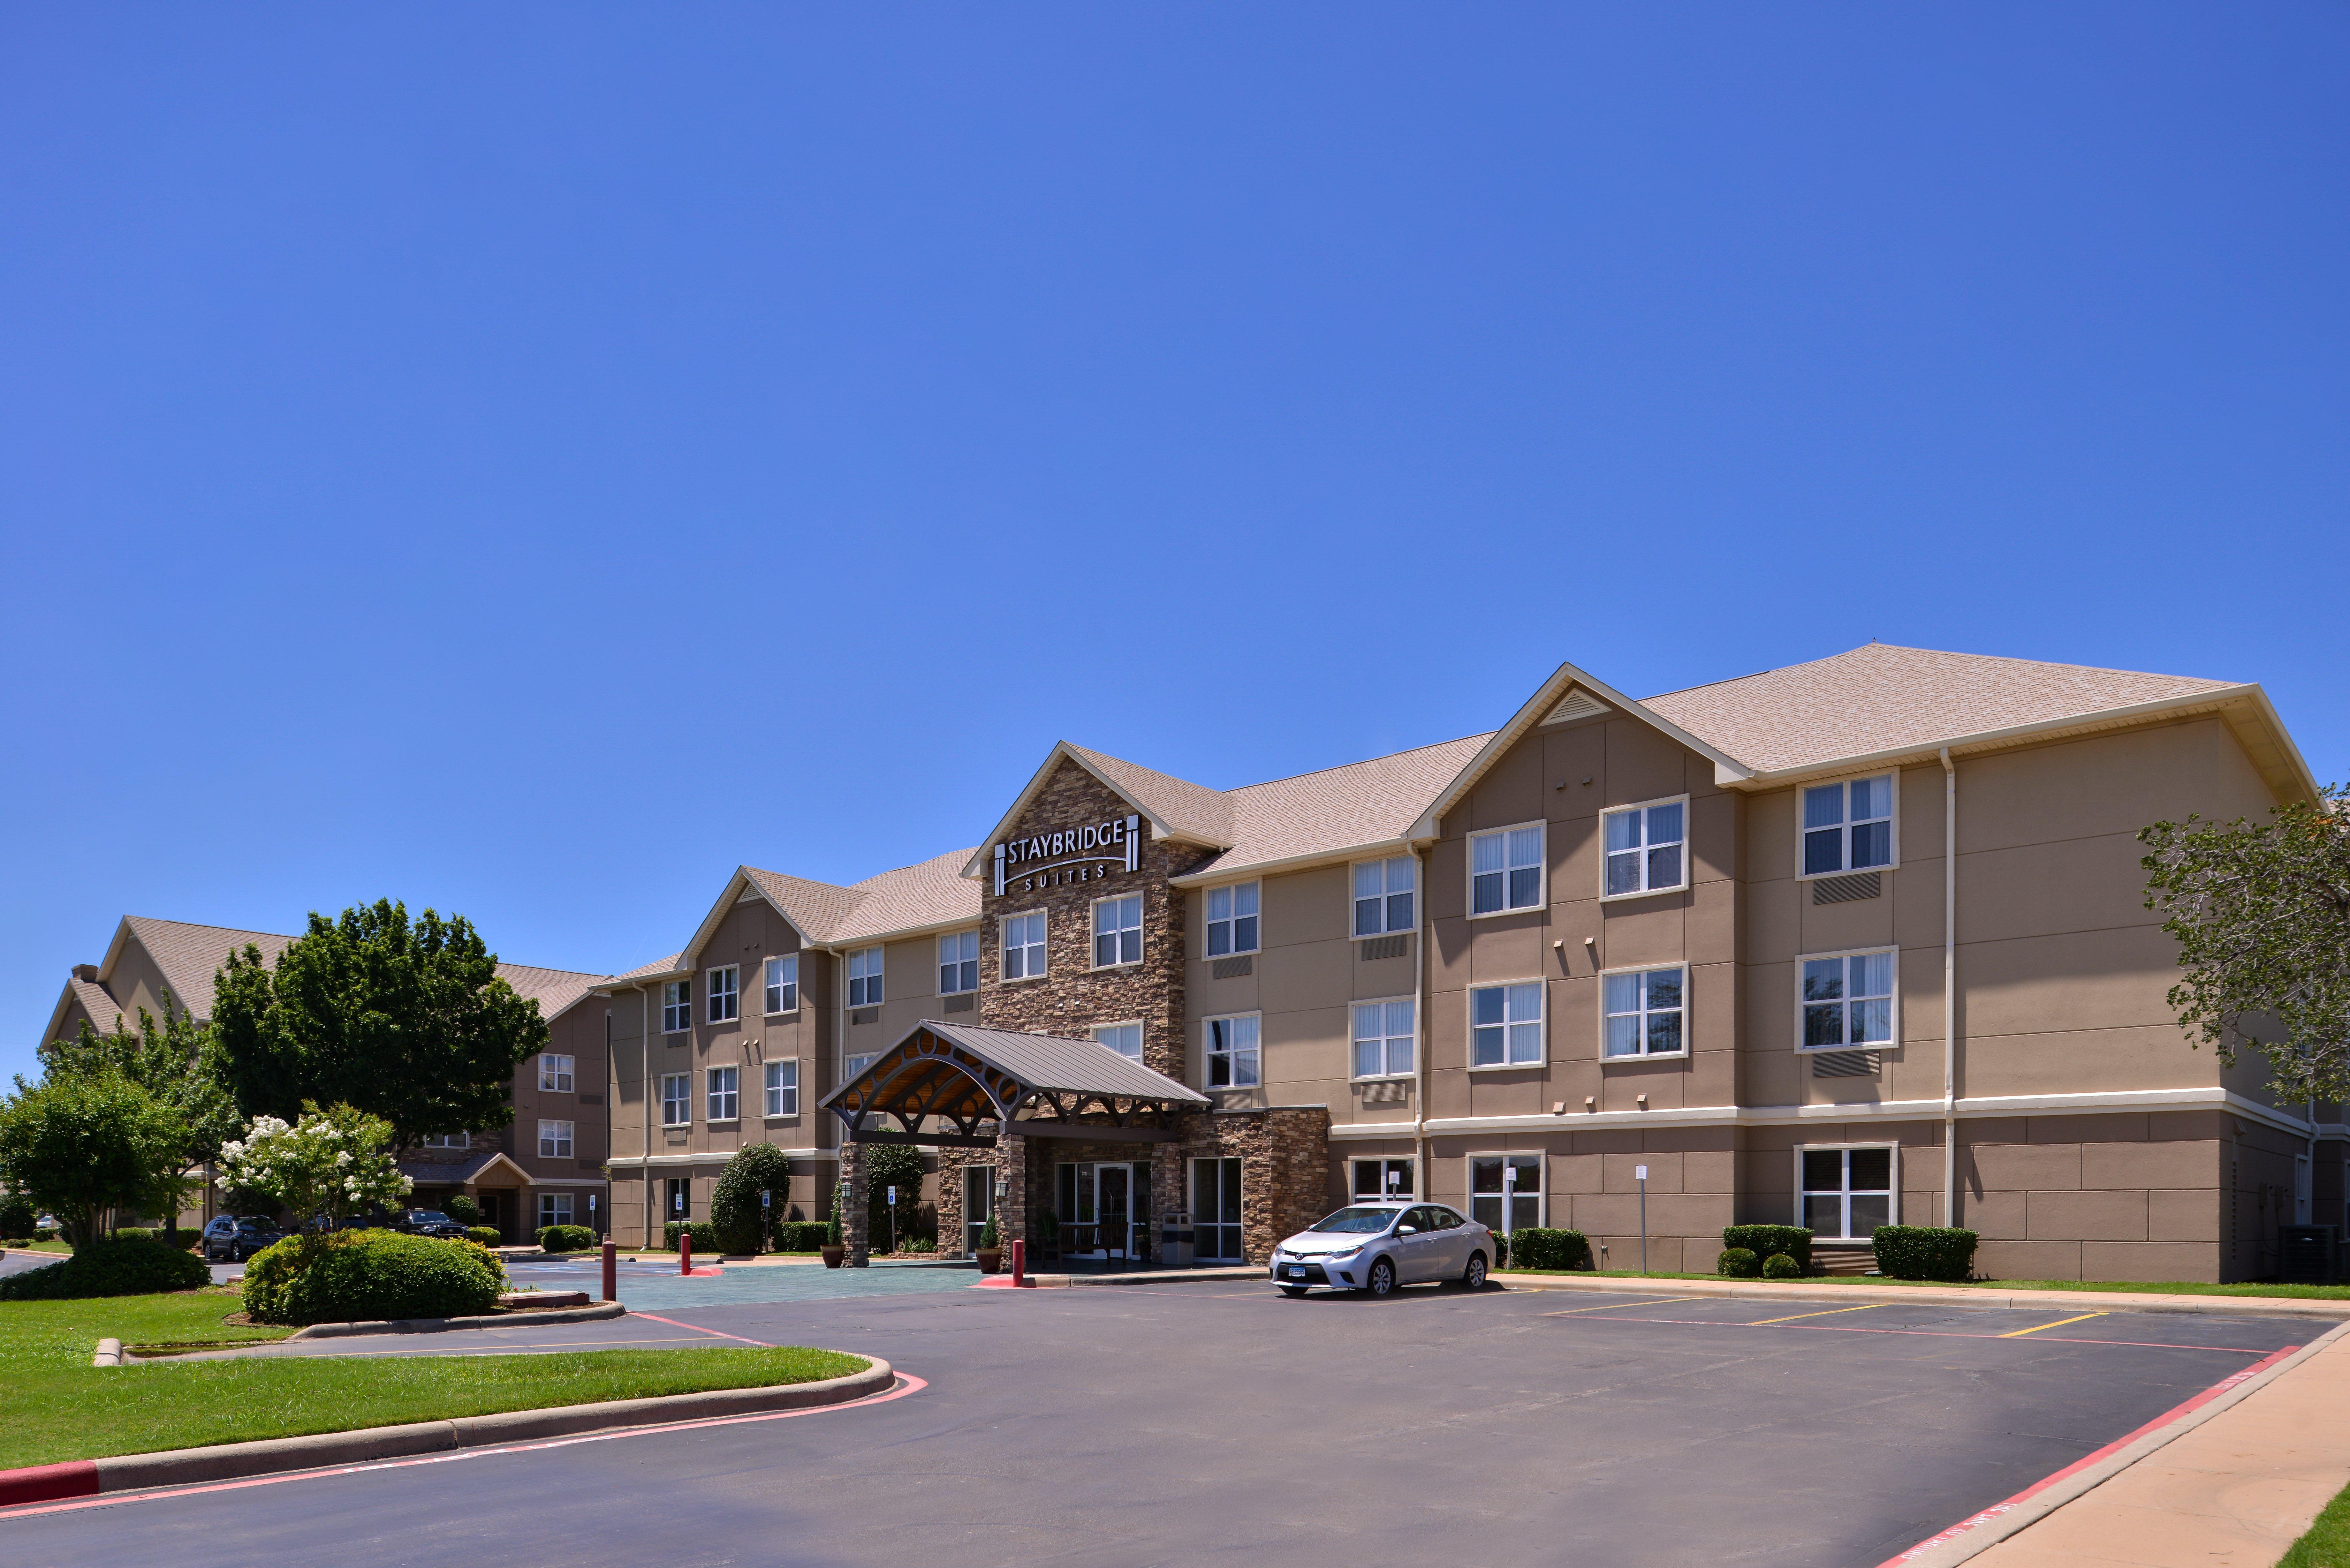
(2261, 914)
(83, 1145)
(175, 1060)
(408, 1022)
(743, 1224)
(888, 1165)
(332, 1162)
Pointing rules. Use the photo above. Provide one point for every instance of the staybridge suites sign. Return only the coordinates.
(1070, 854)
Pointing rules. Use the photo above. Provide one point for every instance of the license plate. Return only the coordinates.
(1296, 1273)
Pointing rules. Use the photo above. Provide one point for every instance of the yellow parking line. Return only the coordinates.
(1615, 1306)
(1830, 1312)
(2060, 1323)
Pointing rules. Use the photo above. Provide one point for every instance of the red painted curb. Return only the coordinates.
(48, 1483)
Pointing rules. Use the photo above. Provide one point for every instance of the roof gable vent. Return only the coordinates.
(1576, 704)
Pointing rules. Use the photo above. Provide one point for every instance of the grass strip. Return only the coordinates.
(2326, 1542)
(60, 1407)
(2163, 1288)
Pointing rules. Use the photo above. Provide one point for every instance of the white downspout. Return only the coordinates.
(645, 1091)
(1949, 990)
(1421, 1173)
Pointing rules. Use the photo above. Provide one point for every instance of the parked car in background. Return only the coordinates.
(234, 1238)
(1375, 1247)
(427, 1223)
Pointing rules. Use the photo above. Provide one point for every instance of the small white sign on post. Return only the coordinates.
(1640, 1172)
(766, 1200)
(893, 1195)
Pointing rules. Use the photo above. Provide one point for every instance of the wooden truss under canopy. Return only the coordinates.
(1029, 1086)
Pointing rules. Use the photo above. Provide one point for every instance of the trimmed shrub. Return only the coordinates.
(705, 1235)
(114, 1266)
(566, 1238)
(183, 1239)
(1542, 1247)
(799, 1235)
(1765, 1239)
(741, 1223)
(352, 1276)
(1738, 1263)
(1780, 1266)
(1923, 1252)
(17, 1215)
(481, 1235)
(462, 1210)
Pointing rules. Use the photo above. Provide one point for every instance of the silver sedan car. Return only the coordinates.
(1375, 1247)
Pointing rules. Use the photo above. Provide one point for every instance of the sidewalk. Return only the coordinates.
(2030, 1301)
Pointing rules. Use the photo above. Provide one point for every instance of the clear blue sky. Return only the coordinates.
(528, 460)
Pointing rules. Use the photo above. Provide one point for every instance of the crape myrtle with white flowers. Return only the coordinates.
(335, 1163)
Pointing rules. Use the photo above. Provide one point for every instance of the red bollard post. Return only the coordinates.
(611, 1271)
(685, 1252)
(1019, 1262)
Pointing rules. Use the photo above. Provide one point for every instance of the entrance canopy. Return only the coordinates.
(1032, 1085)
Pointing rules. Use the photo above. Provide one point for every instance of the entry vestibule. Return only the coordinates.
(1104, 1209)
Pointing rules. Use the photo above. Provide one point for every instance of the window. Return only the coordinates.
(1383, 1036)
(1376, 1179)
(726, 998)
(1648, 848)
(1023, 946)
(958, 963)
(1846, 1192)
(555, 1208)
(1126, 1039)
(1117, 931)
(1505, 870)
(1216, 1209)
(1848, 826)
(852, 1066)
(726, 1101)
(680, 1198)
(1505, 1025)
(555, 1140)
(783, 1088)
(1505, 1192)
(1232, 921)
(449, 1140)
(676, 1102)
(1847, 1000)
(784, 983)
(555, 1073)
(1644, 1014)
(1231, 1052)
(677, 1006)
(864, 977)
(1383, 895)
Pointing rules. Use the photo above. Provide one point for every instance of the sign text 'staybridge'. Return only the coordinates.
(1070, 854)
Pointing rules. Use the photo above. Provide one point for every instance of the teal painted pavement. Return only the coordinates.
(658, 1287)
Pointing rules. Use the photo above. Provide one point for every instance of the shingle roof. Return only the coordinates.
(1338, 808)
(932, 892)
(98, 1002)
(1044, 1062)
(1193, 811)
(1879, 697)
(659, 966)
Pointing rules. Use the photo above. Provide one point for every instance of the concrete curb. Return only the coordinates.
(228, 1461)
(2252, 1306)
(1979, 1533)
(1170, 1277)
(109, 1354)
(595, 1314)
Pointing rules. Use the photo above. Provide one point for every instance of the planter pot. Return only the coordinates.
(991, 1260)
(833, 1256)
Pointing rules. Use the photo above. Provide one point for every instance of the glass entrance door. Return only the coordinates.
(978, 1203)
(1216, 1210)
(1104, 1210)
(1110, 1186)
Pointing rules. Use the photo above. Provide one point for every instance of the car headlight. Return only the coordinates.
(1342, 1257)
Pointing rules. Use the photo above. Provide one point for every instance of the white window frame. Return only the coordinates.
(677, 1006)
(1644, 891)
(725, 1105)
(556, 1073)
(1232, 919)
(958, 963)
(1382, 1162)
(1893, 821)
(561, 1136)
(1541, 1187)
(1386, 1046)
(1094, 950)
(1005, 946)
(785, 992)
(682, 1100)
(554, 1208)
(1209, 1054)
(1387, 896)
(875, 958)
(1893, 1191)
(1847, 954)
(1541, 1021)
(450, 1141)
(1094, 1030)
(854, 1061)
(724, 989)
(782, 1099)
(1541, 870)
(1644, 1054)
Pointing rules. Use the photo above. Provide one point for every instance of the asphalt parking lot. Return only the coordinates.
(1191, 1423)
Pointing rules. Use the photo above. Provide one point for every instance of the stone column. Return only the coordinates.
(853, 1225)
(1012, 1165)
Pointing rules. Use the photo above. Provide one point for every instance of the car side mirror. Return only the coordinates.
(1407, 1230)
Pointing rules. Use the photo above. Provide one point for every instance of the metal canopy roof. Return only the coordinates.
(965, 1075)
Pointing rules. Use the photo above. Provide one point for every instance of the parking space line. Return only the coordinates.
(1936, 1333)
(1618, 1306)
(2060, 1323)
(1830, 1312)
(721, 1334)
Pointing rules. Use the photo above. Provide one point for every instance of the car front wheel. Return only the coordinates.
(1474, 1277)
(1382, 1279)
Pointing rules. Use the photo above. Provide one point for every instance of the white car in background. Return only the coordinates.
(1375, 1247)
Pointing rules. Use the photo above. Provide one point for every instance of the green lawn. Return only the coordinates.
(2327, 1542)
(2166, 1288)
(40, 1247)
(61, 1407)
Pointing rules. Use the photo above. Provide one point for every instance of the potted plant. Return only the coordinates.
(991, 1248)
(833, 1250)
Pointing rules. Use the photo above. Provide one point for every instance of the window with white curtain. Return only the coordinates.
(1848, 826)
(725, 1001)
(1646, 847)
(864, 977)
(1117, 931)
(1505, 1025)
(1233, 1052)
(555, 1073)
(783, 983)
(677, 1006)
(555, 1140)
(958, 963)
(677, 1100)
(726, 1094)
(1384, 895)
(1126, 1039)
(1023, 946)
(1645, 1011)
(1383, 1038)
(783, 1088)
(1232, 921)
(1505, 870)
(1848, 999)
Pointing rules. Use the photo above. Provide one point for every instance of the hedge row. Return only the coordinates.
(1542, 1247)
(800, 1235)
(348, 1276)
(1923, 1252)
(112, 1266)
(567, 1237)
(183, 1239)
(1763, 1241)
(487, 1235)
(704, 1233)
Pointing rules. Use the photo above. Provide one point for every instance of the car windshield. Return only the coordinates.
(1360, 1221)
(257, 1221)
(428, 1217)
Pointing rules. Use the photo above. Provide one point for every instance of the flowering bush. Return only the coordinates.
(333, 1163)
